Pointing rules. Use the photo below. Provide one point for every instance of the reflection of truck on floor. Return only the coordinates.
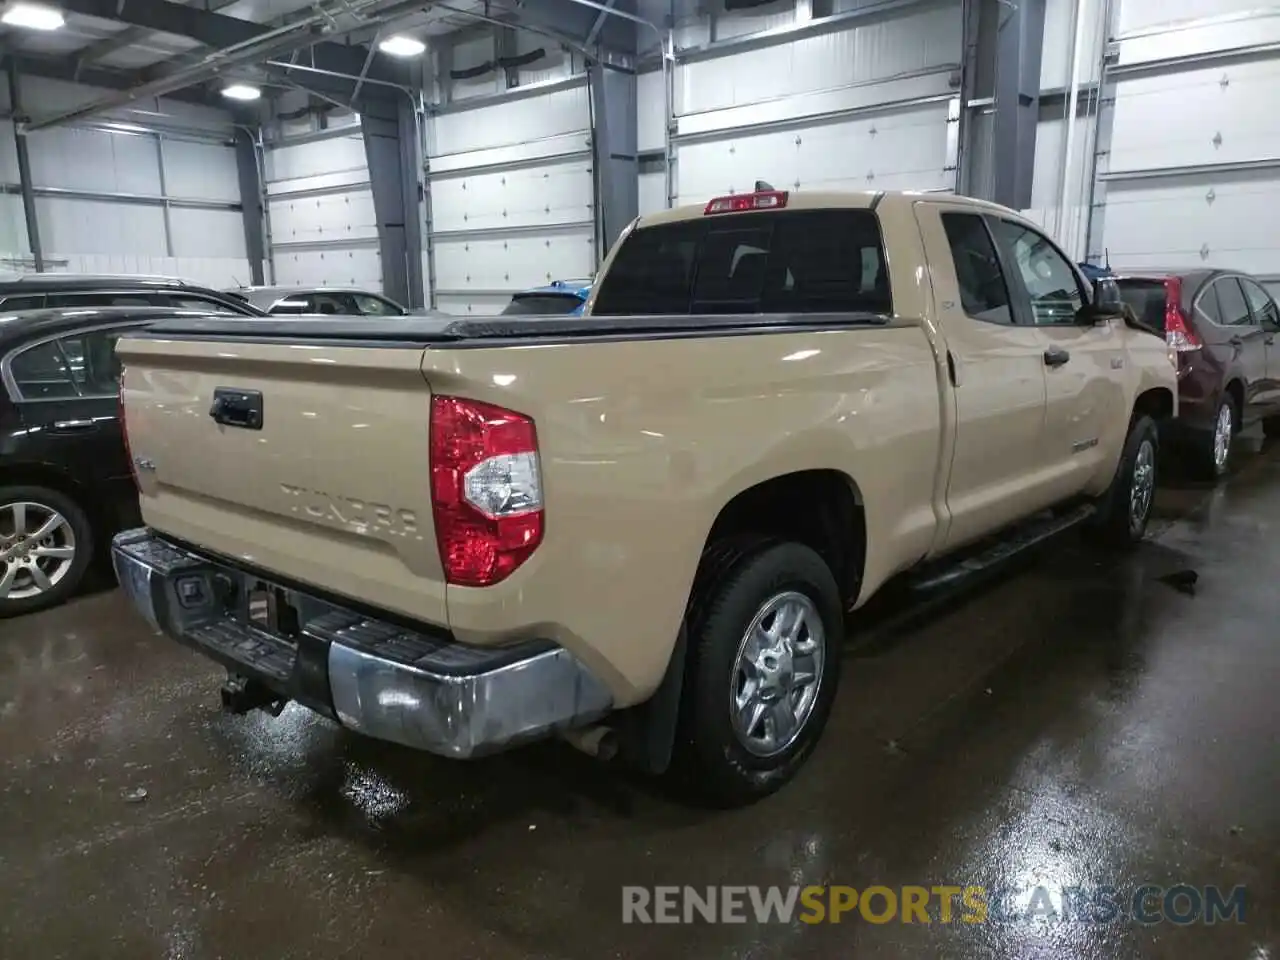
(640, 528)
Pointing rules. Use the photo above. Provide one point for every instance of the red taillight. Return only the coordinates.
(124, 429)
(1177, 332)
(486, 490)
(761, 200)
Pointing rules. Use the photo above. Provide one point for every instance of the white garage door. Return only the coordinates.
(512, 197)
(862, 109)
(1193, 174)
(320, 209)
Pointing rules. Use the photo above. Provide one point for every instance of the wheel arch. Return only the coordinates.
(28, 474)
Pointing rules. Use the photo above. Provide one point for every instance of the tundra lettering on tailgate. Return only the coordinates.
(364, 516)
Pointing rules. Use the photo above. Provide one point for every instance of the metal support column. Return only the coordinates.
(617, 168)
(251, 204)
(1019, 42)
(164, 194)
(24, 168)
(391, 147)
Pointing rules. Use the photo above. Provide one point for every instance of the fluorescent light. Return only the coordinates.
(34, 16)
(241, 91)
(402, 46)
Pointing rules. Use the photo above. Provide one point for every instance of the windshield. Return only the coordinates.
(803, 261)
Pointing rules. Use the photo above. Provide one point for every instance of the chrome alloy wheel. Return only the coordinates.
(1142, 486)
(1222, 429)
(777, 674)
(37, 549)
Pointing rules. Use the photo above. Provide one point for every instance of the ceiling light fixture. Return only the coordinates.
(241, 91)
(402, 46)
(34, 16)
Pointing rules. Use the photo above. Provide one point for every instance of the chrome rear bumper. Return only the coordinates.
(417, 687)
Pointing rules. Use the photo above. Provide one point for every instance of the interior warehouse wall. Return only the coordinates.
(509, 174)
(1192, 174)
(100, 191)
(320, 207)
(856, 107)
(1075, 36)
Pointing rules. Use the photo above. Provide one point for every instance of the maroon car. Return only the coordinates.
(1221, 325)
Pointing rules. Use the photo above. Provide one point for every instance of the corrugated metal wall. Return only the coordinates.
(511, 187)
(115, 198)
(860, 108)
(320, 209)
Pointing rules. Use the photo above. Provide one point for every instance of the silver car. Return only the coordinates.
(340, 301)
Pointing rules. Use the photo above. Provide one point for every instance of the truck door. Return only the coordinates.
(998, 382)
(1085, 416)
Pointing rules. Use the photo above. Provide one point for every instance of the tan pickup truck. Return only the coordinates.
(641, 528)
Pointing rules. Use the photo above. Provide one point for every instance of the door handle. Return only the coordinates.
(237, 408)
(1056, 357)
(1269, 339)
(74, 426)
(1236, 341)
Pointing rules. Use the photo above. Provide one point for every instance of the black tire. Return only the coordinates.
(711, 764)
(1271, 427)
(1115, 524)
(81, 530)
(1201, 459)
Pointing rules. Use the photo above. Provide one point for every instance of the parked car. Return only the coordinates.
(40, 291)
(347, 302)
(558, 297)
(1221, 325)
(644, 532)
(65, 479)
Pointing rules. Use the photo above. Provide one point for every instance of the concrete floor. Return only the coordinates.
(1081, 723)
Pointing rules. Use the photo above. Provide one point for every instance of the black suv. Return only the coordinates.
(37, 291)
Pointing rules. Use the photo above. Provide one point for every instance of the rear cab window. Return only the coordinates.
(791, 261)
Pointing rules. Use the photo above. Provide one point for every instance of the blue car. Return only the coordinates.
(564, 297)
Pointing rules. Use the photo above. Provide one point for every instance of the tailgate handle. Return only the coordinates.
(237, 408)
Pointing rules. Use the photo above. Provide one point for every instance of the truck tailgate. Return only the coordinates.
(331, 489)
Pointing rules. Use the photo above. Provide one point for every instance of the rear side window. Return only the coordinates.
(190, 302)
(1231, 302)
(1264, 308)
(79, 365)
(371, 306)
(541, 304)
(1147, 300)
(984, 295)
(42, 372)
(23, 303)
(107, 299)
(820, 261)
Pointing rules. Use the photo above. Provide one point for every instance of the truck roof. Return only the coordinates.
(827, 200)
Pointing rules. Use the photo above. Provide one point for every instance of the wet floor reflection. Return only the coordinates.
(1079, 724)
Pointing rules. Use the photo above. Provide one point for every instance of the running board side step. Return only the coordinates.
(1017, 540)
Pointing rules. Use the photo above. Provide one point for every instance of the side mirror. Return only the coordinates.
(1105, 303)
(1106, 297)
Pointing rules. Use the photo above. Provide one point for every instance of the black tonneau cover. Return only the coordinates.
(426, 331)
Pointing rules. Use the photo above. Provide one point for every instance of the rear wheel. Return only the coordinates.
(1211, 453)
(46, 544)
(1271, 427)
(1125, 509)
(763, 668)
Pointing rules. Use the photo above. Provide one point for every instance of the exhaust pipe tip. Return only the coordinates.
(597, 741)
